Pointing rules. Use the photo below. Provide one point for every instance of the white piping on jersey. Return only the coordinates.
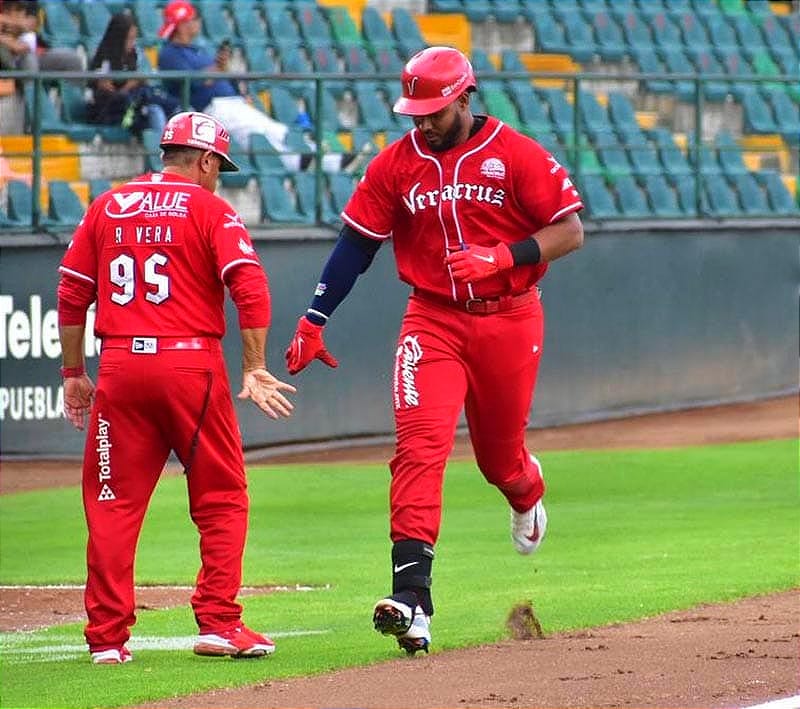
(436, 162)
(562, 212)
(486, 142)
(159, 182)
(236, 262)
(360, 227)
(82, 276)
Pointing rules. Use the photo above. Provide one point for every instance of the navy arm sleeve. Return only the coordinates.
(351, 256)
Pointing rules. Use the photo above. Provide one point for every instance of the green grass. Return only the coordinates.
(632, 534)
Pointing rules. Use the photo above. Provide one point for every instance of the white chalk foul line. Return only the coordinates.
(18, 648)
(786, 703)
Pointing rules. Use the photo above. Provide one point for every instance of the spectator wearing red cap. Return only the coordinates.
(219, 97)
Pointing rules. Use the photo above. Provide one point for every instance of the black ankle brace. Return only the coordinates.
(412, 560)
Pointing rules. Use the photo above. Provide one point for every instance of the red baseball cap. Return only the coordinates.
(199, 130)
(175, 12)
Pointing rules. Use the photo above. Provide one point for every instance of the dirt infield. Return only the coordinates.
(729, 655)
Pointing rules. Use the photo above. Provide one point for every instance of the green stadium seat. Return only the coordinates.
(342, 186)
(632, 200)
(343, 28)
(406, 32)
(152, 151)
(764, 66)
(19, 199)
(499, 105)
(662, 197)
(732, 7)
(780, 200)
(597, 198)
(588, 159)
(97, 186)
(614, 159)
(757, 116)
(751, 196)
(374, 29)
(610, 40)
(306, 186)
(532, 112)
(276, 204)
(787, 115)
(65, 209)
(61, 28)
(314, 26)
(722, 201)
(265, 158)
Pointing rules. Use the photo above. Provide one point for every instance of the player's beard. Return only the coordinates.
(450, 137)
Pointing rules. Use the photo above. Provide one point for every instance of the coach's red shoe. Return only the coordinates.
(112, 656)
(237, 642)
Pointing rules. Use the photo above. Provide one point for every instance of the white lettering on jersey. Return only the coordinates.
(415, 200)
(409, 353)
(234, 221)
(493, 167)
(246, 248)
(150, 204)
(556, 165)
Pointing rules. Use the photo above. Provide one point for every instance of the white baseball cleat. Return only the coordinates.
(411, 627)
(528, 528)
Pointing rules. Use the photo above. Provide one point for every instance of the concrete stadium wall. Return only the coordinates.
(637, 321)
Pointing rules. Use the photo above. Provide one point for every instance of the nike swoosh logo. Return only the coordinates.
(488, 259)
(398, 569)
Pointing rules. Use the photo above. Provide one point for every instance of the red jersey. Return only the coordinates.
(157, 249)
(498, 186)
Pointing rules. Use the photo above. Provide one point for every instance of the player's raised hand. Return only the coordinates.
(265, 391)
(474, 263)
(307, 345)
(78, 396)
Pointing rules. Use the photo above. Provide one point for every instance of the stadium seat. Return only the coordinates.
(97, 186)
(662, 198)
(94, 18)
(325, 61)
(374, 29)
(733, 7)
(276, 204)
(649, 63)
(283, 30)
(757, 116)
(722, 201)
(723, 36)
(751, 196)
(597, 198)
(548, 33)
(313, 26)
(341, 186)
(20, 202)
(61, 28)
(551, 145)
(217, 24)
(635, 32)
(250, 23)
(780, 200)
(484, 70)
(65, 208)
(676, 167)
(260, 57)
(152, 151)
(730, 155)
(677, 62)
(499, 105)
(50, 121)
(265, 158)
(406, 32)
(284, 105)
(620, 110)
(632, 200)
(687, 196)
(387, 61)
(246, 172)
(506, 11)
(532, 113)
(666, 33)
(764, 66)
(706, 63)
(614, 159)
(561, 113)
(356, 58)
(787, 115)
(7, 222)
(594, 118)
(445, 6)
(374, 112)
(343, 28)
(578, 35)
(477, 10)
(642, 155)
(709, 165)
(330, 115)
(736, 66)
(610, 40)
(296, 60)
(306, 185)
(774, 33)
(692, 30)
(148, 19)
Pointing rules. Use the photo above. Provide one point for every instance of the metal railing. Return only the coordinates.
(40, 81)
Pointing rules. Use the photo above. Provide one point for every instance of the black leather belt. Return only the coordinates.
(481, 306)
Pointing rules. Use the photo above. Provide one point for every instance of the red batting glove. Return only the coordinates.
(474, 263)
(306, 346)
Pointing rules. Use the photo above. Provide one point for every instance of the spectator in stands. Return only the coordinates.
(22, 17)
(130, 103)
(219, 97)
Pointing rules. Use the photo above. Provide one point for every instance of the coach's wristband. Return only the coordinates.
(526, 252)
(67, 372)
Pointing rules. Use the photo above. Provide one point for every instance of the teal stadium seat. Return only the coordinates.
(97, 186)
(709, 164)
(406, 32)
(445, 6)
(649, 63)
(676, 166)
(532, 112)
(284, 105)
(598, 199)
(283, 30)
(94, 18)
(374, 112)
(635, 31)
(705, 9)
(549, 33)
(374, 29)
(610, 40)
(730, 155)
(642, 155)
(276, 204)
(757, 116)
(296, 60)
(19, 200)
(507, 11)
(330, 117)
(632, 200)
(579, 37)
(614, 160)
(751, 196)
(561, 113)
(265, 158)
(666, 33)
(780, 200)
(343, 28)
(61, 28)
(50, 121)
(787, 115)
(706, 63)
(314, 26)
(65, 209)
(722, 201)
(246, 172)
(387, 61)
(677, 62)
(662, 197)
(594, 118)
(306, 186)
(356, 58)
(152, 151)
(260, 57)
(692, 30)
(148, 19)
(325, 61)
(687, 197)
(217, 23)
(477, 10)
(484, 70)
(250, 22)
(737, 67)
(723, 36)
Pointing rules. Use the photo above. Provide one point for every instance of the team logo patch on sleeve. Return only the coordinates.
(493, 167)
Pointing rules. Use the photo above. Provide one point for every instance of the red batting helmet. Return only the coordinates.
(201, 131)
(432, 79)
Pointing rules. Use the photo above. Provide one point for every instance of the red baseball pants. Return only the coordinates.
(447, 359)
(146, 405)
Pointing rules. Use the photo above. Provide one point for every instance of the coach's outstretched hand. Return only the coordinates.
(307, 345)
(474, 263)
(264, 390)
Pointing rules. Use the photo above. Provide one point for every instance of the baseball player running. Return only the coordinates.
(156, 254)
(476, 212)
